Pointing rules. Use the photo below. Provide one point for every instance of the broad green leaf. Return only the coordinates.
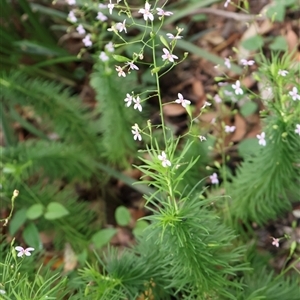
(34, 211)
(279, 44)
(140, 226)
(55, 210)
(248, 147)
(248, 108)
(31, 236)
(276, 12)
(102, 237)
(253, 43)
(18, 219)
(122, 216)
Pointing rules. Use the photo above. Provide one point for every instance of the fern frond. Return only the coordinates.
(53, 102)
(116, 119)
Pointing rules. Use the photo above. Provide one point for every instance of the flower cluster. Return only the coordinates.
(136, 100)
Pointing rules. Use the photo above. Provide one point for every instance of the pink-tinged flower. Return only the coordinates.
(227, 63)
(121, 26)
(2, 292)
(71, 2)
(87, 41)
(80, 29)
(294, 94)
(214, 178)
(103, 56)
(173, 37)
(110, 47)
(202, 138)
(206, 104)
(132, 66)
(229, 128)
(168, 56)
(110, 7)
(101, 17)
(261, 139)
(165, 161)
(102, 6)
(275, 242)
(136, 132)
(228, 93)
(128, 99)
(297, 130)
(217, 98)
(161, 12)
(246, 62)
(237, 88)
(146, 12)
(226, 3)
(23, 251)
(72, 17)
(137, 103)
(120, 71)
(283, 73)
(182, 101)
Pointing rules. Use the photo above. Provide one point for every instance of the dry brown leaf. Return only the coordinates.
(70, 258)
(173, 110)
(240, 128)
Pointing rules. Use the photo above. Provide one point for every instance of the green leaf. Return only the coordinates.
(279, 44)
(102, 237)
(121, 58)
(55, 210)
(248, 147)
(122, 216)
(140, 226)
(31, 236)
(163, 40)
(253, 43)
(34, 211)
(17, 221)
(276, 12)
(248, 108)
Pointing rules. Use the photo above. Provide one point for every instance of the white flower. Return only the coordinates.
(103, 56)
(227, 63)
(297, 130)
(168, 56)
(23, 251)
(229, 128)
(110, 47)
(80, 29)
(283, 73)
(206, 104)
(237, 88)
(275, 242)
(246, 62)
(110, 7)
(101, 17)
(128, 100)
(71, 2)
(173, 37)
(261, 139)
(165, 161)
(120, 71)
(2, 292)
(71, 17)
(217, 98)
(121, 26)
(294, 94)
(161, 12)
(214, 178)
(137, 103)
(146, 12)
(102, 6)
(87, 41)
(226, 3)
(131, 65)
(202, 138)
(136, 132)
(182, 101)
